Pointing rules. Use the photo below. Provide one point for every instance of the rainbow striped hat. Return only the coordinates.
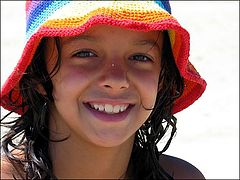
(70, 18)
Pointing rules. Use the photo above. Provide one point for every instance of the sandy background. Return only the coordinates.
(208, 131)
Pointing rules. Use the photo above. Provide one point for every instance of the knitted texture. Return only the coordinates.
(70, 18)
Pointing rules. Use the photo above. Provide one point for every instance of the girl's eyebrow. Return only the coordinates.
(147, 42)
(81, 37)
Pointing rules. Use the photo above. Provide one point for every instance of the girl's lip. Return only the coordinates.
(108, 117)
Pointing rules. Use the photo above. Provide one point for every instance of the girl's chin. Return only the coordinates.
(112, 140)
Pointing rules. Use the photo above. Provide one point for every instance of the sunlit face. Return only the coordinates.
(107, 76)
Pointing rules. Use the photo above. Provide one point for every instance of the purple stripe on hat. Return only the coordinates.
(39, 13)
(32, 6)
(35, 10)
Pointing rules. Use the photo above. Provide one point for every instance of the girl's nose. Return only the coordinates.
(114, 77)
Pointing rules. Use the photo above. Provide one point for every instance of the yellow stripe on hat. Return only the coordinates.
(75, 21)
(80, 8)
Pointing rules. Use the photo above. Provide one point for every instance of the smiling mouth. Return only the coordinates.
(108, 108)
(109, 112)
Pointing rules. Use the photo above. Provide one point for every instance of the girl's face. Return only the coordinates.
(107, 80)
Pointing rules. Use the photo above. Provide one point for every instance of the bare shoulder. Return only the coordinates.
(179, 168)
(7, 170)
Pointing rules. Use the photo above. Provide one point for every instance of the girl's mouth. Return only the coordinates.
(108, 108)
(109, 112)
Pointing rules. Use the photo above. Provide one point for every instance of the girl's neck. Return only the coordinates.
(73, 158)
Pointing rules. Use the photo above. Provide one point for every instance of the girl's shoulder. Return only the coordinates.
(179, 169)
(9, 170)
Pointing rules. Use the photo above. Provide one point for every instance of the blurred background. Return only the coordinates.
(208, 131)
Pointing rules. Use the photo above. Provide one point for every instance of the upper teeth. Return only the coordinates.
(108, 108)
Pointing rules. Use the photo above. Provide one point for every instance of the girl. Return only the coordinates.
(96, 89)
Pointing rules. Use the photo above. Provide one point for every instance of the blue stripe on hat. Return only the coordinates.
(45, 9)
(165, 5)
(40, 14)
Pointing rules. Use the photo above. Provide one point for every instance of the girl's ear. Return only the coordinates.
(41, 90)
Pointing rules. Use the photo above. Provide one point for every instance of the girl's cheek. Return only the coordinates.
(146, 83)
(70, 81)
(149, 78)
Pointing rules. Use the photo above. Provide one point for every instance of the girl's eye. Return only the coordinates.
(140, 57)
(84, 54)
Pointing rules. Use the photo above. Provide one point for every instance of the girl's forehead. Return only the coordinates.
(114, 29)
(100, 33)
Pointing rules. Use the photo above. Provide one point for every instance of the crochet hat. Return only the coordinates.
(70, 18)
